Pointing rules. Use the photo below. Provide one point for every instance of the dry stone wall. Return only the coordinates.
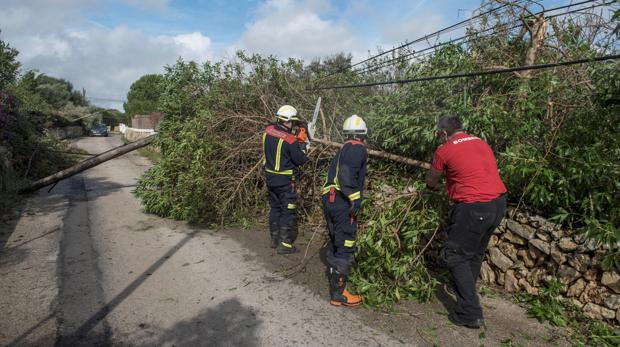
(526, 250)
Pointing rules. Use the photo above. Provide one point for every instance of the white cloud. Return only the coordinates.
(150, 4)
(103, 61)
(411, 29)
(299, 29)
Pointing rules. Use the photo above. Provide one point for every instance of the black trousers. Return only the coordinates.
(342, 226)
(283, 204)
(470, 228)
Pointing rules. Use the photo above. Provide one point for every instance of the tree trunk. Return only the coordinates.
(381, 154)
(87, 164)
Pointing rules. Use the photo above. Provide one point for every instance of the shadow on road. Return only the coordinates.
(228, 324)
(84, 331)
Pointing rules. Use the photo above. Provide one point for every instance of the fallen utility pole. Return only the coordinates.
(87, 164)
(381, 154)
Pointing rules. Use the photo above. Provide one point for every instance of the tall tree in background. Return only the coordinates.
(58, 92)
(9, 66)
(143, 95)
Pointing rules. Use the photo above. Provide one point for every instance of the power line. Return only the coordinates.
(476, 73)
(413, 55)
(436, 33)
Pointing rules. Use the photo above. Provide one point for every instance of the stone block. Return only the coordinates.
(589, 293)
(595, 311)
(612, 301)
(526, 258)
(543, 235)
(537, 276)
(567, 274)
(541, 245)
(508, 250)
(493, 241)
(511, 283)
(579, 238)
(576, 288)
(590, 275)
(580, 261)
(557, 255)
(515, 239)
(522, 230)
(499, 275)
(567, 244)
(500, 260)
(486, 273)
(523, 283)
(611, 279)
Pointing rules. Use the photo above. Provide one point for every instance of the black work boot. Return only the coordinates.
(471, 324)
(338, 290)
(285, 246)
(274, 232)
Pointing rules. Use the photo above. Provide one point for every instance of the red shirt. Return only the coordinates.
(470, 168)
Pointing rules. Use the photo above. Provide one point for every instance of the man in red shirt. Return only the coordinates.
(477, 194)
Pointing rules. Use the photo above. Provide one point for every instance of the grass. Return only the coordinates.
(150, 153)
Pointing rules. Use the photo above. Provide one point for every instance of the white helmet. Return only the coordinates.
(287, 113)
(354, 125)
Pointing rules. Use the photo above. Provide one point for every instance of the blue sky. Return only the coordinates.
(103, 46)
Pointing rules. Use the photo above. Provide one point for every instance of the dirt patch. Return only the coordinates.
(409, 322)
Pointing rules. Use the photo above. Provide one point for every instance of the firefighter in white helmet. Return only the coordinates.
(283, 156)
(342, 198)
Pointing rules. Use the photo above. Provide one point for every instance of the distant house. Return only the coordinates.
(149, 121)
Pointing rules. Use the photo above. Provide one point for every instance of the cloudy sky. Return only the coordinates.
(105, 45)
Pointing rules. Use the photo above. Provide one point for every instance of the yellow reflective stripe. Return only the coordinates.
(285, 172)
(291, 206)
(326, 189)
(278, 155)
(349, 243)
(355, 196)
(337, 171)
(287, 245)
(264, 155)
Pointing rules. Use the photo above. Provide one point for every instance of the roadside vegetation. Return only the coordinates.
(31, 103)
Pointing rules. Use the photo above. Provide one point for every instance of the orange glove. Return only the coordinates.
(302, 135)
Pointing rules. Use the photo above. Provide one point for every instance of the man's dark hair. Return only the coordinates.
(450, 124)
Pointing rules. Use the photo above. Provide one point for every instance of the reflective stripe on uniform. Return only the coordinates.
(285, 172)
(287, 245)
(355, 196)
(291, 206)
(326, 189)
(349, 243)
(278, 155)
(264, 155)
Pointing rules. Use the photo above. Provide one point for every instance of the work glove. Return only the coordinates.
(302, 132)
(355, 206)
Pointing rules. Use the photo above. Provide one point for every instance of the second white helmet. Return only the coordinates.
(354, 125)
(287, 113)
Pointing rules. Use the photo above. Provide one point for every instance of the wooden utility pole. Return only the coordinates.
(381, 154)
(87, 164)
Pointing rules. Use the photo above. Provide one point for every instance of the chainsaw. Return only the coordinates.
(307, 131)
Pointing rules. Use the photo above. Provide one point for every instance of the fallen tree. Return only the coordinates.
(86, 164)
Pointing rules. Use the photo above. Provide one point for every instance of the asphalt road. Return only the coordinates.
(84, 266)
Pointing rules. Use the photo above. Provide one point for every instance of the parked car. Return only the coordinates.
(98, 130)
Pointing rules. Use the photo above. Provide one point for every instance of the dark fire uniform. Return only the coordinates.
(282, 157)
(343, 189)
